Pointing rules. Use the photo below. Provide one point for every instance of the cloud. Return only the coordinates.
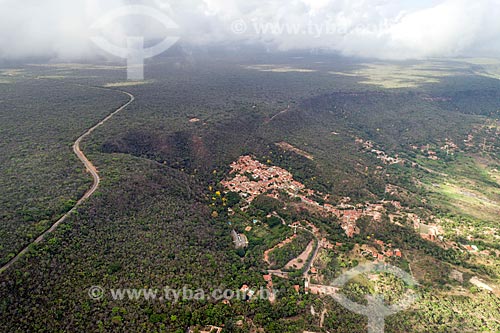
(382, 29)
(49, 28)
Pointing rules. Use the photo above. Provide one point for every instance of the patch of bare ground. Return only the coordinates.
(289, 147)
(299, 262)
(429, 269)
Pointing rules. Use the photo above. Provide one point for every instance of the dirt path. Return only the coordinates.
(279, 114)
(307, 263)
(322, 318)
(279, 246)
(90, 168)
(315, 233)
(313, 259)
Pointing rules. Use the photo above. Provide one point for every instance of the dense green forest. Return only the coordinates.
(41, 177)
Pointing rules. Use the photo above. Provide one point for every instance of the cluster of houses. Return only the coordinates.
(349, 215)
(469, 142)
(206, 329)
(450, 147)
(433, 233)
(317, 289)
(254, 178)
(348, 218)
(471, 248)
(250, 293)
(475, 250)
(381, 155)
(436, 99)
(427, 151)
(386, 251)
(428, 232)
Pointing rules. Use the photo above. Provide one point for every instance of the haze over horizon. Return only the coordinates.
(382, 29)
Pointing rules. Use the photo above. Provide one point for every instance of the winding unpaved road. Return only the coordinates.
(279, 113)
(90, 168)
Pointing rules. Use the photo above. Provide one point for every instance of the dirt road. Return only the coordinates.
(90, 168)
(279, 114)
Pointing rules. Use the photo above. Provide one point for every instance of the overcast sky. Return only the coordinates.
(385, 29)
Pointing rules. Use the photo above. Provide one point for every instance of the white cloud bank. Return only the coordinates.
(404, 29)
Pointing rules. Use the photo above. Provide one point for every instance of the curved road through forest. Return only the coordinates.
(90, 168)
